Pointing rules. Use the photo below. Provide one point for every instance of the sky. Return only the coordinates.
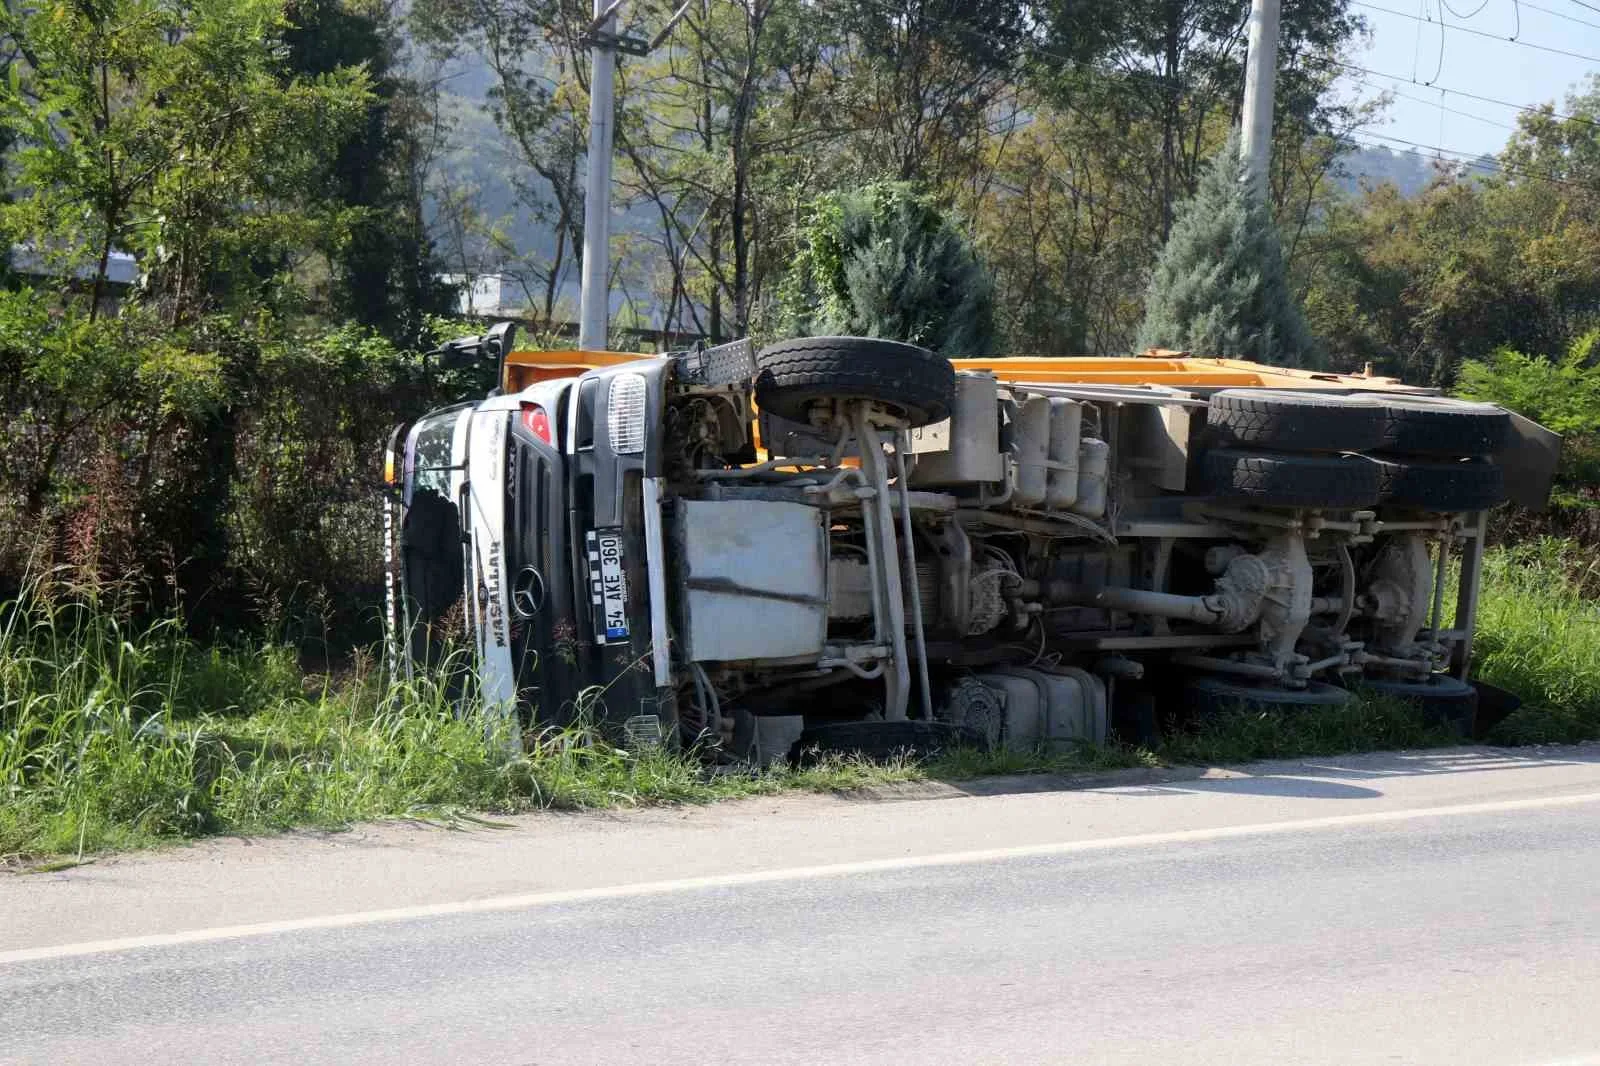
(1511, 71)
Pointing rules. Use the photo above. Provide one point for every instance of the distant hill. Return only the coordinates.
(1410, 171)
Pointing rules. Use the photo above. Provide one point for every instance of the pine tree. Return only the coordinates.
(1219, 287)
(884, 261)
(386, 269)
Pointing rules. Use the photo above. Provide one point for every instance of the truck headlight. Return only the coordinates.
(625, 405)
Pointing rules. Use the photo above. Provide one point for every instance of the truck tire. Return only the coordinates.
(1439, 426)
(1331, 481)
(1294, 421)
(913, 382)
(1464, 485)
(1206, 696)
(1443, 700)
(878, 741)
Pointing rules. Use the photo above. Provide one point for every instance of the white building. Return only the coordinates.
(488, 295)
(122, 270)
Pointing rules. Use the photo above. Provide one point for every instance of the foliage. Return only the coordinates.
(1219, 286)
(159, 434)
(1478, 262)
(171, 131)
(114, 734)
(385, 272)
(1562, 394)
(883, 261)
(1364, 724)
(1061, 133)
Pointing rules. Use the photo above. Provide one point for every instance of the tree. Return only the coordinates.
(1219, 286)
(1476, 262)
(1160, 74)
(537, 98)
(385, 269)
(173, 131)
(921, 84)
(725, 132)
(884, 261)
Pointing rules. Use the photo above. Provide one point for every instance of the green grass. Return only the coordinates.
(1539, 637)
(114, 737)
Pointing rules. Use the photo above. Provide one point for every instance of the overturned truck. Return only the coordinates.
(852, 544)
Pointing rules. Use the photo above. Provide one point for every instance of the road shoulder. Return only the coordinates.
(302, 875)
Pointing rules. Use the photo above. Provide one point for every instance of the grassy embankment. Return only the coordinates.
(111, 738)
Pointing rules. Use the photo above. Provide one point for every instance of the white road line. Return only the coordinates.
(758, 877)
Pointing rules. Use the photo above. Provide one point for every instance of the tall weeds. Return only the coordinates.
(114, 734)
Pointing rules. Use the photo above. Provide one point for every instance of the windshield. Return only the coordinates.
(430, 453)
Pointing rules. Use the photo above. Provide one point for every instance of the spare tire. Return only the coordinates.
(1330, 481)
(1464, 485)
(911, 382)
(1294, 421)
(1439, 426)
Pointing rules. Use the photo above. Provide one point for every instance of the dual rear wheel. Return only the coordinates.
(1443, 701)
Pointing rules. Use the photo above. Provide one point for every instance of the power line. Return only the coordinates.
(1433, 103)
(1560, 15)
(1438, 60)
(1479, 33)
(1455, 92)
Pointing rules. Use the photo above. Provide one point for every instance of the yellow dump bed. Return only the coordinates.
(1175, 369)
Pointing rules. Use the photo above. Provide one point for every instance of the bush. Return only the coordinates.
(884, 261)
(228, 469)
(1562, 394)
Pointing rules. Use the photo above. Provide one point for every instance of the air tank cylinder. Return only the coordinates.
(1066, 429)
(1032, 440)
(1094, 467)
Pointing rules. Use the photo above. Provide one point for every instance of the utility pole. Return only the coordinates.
(1260, 72)
(594, 303)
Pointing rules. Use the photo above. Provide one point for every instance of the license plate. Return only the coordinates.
(608, 586)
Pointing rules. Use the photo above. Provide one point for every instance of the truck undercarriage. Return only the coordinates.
(851, 544)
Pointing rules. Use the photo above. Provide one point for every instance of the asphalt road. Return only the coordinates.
(1437, 908)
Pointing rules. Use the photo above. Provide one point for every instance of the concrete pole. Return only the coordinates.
(1260, 72)
(595, 302)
